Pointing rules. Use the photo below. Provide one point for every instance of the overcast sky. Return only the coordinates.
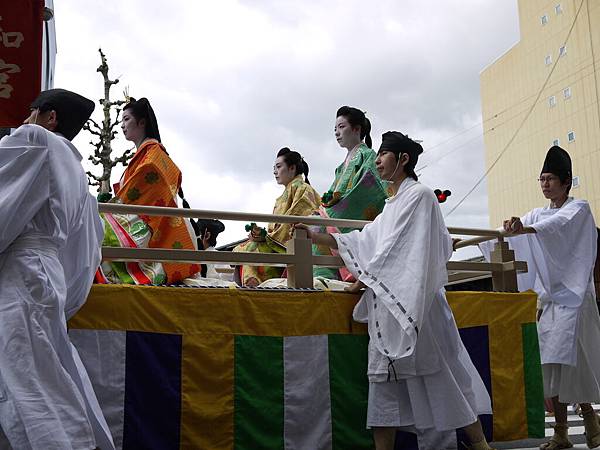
(232, 82)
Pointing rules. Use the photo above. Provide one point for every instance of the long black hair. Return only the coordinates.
(357, 118)
(141, 109)
(292, 158)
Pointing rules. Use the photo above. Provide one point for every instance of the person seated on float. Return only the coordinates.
(209, 230)
(420, 374)
(298, 199)
(357, 191)
(150, 179)
(559, 243)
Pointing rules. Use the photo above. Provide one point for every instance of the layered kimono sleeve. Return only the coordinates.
(362, 192)
(154, 181)
(564, 250)
(402, 257)
(305, 201)
(24, 181)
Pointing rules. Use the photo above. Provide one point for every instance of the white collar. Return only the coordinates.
(406, 183)
(567, 201)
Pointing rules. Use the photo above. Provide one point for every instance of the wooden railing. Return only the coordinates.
(299, 259)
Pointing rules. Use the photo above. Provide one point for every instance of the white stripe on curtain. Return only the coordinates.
(103, 354)
(307, 411)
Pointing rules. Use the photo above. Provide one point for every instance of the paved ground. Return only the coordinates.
(576, 431)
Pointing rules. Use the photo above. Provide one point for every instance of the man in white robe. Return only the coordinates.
(209, 230)
(420, 375)
(50, 238)
(559, 243)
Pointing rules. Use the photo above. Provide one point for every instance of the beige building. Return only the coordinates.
(544, 91)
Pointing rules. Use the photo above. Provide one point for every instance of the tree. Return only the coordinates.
(105, 134)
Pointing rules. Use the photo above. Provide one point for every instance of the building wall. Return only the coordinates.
(509, 89)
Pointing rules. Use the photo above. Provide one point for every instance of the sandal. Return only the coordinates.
(592, 429)
(560, 439)
(481, 445)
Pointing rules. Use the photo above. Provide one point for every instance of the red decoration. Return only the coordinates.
(20, 58)
(442, 196)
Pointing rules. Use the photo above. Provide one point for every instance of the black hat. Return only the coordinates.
(214, 226)
(558, 162)
(72, 110)
(399, 143)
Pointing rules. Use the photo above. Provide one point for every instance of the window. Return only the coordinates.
(556, 142)
(548, 60)
(567, 93)
(558, 9)
(544, 19)
(562, 51)
(571, 136)
(575, 182)
(552, 101)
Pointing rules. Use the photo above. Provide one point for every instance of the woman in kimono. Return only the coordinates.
(151, 179)
(298, 199)
(559, 243)
(357, 191)
(420, 374)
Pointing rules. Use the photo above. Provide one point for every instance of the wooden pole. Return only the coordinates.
(503, 280)
(300, 274)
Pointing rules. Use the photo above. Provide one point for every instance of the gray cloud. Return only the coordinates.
(234, 81)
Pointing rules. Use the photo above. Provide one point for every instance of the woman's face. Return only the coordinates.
(345, 135)
(133, 130)
(552, 188)
(283, 173)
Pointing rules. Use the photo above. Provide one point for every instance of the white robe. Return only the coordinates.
(211, 270)
(414, 342)
(560, 258)
(50, 238)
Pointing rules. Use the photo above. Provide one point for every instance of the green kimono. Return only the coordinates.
(357, 192)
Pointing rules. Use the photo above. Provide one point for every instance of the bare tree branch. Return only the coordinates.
(125, 157)
(106, 133)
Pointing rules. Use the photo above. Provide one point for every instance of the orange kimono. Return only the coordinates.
(152, 179)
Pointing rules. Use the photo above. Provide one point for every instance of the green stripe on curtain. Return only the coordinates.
(534, 390)
(258, 393)
(349, 391)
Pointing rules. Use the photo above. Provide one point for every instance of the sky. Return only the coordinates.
(233, 81)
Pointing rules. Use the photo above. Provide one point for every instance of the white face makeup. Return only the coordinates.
(346, 136)
(283, 173)
(133, 130)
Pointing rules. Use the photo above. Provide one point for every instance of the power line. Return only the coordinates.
(495, 116)
(436, 161)
(489, 169)
(453, 137)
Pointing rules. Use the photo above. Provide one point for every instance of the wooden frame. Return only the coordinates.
(299, 259)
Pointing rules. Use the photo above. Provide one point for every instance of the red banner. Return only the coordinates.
(20, 58)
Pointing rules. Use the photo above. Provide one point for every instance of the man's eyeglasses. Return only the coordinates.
(549, 179)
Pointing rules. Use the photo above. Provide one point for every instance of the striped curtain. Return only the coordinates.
(250, 369)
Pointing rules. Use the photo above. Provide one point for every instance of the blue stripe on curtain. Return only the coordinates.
(153, 406)
(477, 343)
